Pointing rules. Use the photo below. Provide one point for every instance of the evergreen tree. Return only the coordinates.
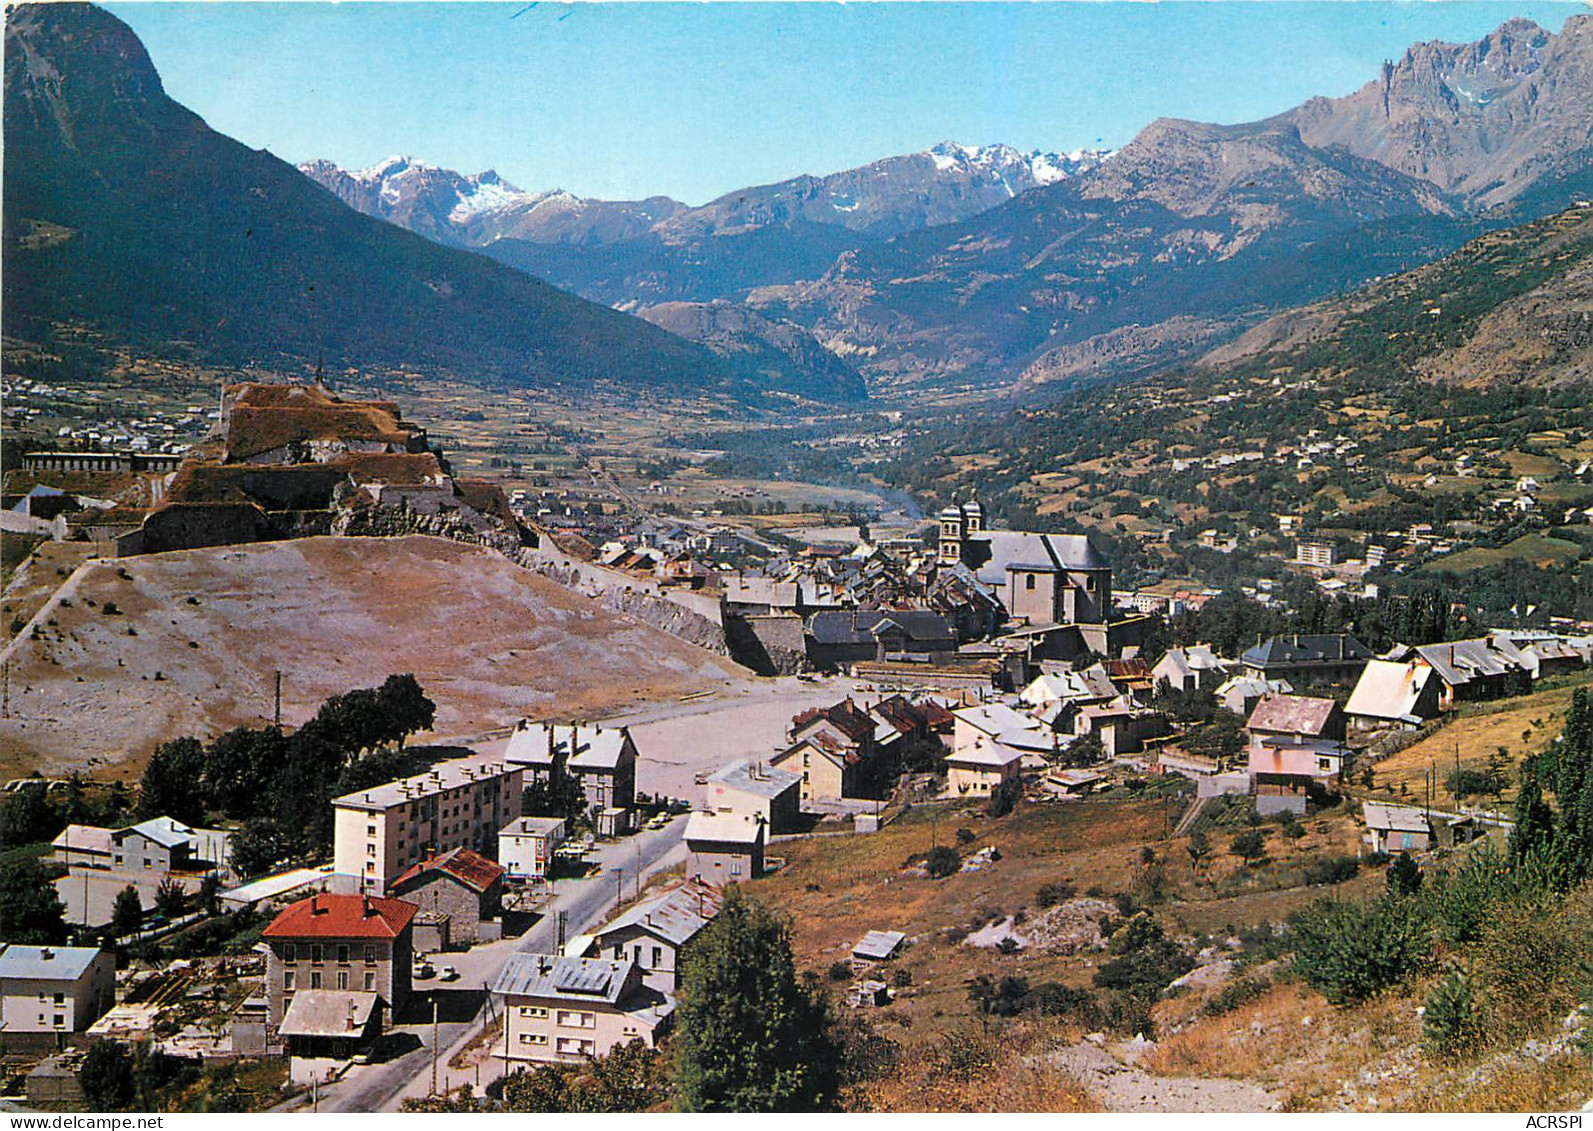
(1403, 876)
(107, 1076)
(170, 899)
(751, 1036)
(1534, 820)
(30, 911)
(172, 785)
(127, 914)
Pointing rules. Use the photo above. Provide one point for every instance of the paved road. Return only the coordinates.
(462, 1006)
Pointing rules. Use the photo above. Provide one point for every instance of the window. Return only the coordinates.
(574, 1019)
(342, 979)
(735, 868)
(619, 951)
(533, 1011)
(60, 999)
(370, 830)
(370, 980)
(533, 1038)
(370, 850)
(60, 1020)
(636, 954)
(315, 979)
(315, 952)
(1028, 581)
(342, 953)
(287, 981)
(658, 957)
(290, 952)
(370, 952)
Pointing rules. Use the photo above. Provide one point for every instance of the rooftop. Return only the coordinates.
(328, 1013)
(582, 747)
(676, 915)
(1297, 649)
(994, 552)
(66, 963)
(757, 778)
(726, 828)
(327, 916)
(1292, 714)
(443, 776)
(1387, 690)
(470, 868)
(570, 979)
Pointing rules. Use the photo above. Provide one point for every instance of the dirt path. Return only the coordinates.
(1120, 1087)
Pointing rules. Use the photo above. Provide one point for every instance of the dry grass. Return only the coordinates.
(987, 1074)
(1522, 725)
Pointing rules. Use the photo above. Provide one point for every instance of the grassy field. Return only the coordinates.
(1539, 549)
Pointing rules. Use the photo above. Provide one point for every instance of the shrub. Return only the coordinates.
(1008, 945)
(942, 861)
(1449, 1019)
(1350, 951)
(1241, 991)
(840, 971)
(901, 976)
(1003, 799)
(966, 836)
(1053, 893)
(1332, 869)
(110, 609)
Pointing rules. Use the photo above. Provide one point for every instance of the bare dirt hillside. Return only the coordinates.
(129, 653)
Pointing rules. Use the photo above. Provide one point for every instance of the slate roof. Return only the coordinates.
(994, 552)
(470, 868)
(768, 781)
(326, 916)
(563, 978)
(328, 1013)
(532, 826)
(1292, 714)
(52, 963)
(675, 915)
(864, 627)
(595, 747)
(1458, 662)
(162, 830)
(1296, 649)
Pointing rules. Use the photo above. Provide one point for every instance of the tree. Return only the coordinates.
(127, 913)
(259, 845)
(239, 767)
(557, 795)
(405, 706)
(210, 894)
(1004, 798)
(173, 782)
(1350, 951)
(751, 1036)
(1449, 1019)
(1403, 875)
(106, 1076)
(170, 898)
(1534, 819)
(27, 817)
(30, 911)
(1252, 845)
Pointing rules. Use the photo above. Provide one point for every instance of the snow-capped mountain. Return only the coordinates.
(470, 211)
(945, 183)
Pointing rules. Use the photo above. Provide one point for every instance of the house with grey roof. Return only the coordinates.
(602, 759)
(559, 1009)
(1304, 660)
(1041, 579)
(1394, 694)
(724, 848)
(654, 933)
(835, 638)
(53, 989)
(758, 790)
(1485, 667)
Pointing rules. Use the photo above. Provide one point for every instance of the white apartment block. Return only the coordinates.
(381, 831)
(1322, 554)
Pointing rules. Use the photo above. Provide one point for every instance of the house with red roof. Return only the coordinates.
(456, 891)
(836, 750)
(353, 951)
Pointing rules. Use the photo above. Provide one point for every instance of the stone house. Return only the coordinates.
(458, 888)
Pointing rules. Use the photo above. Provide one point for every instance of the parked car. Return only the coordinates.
(448, 974)
(424, 970)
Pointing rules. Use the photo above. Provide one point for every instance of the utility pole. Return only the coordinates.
(276, 715)
(5, 690)
(434, 1043)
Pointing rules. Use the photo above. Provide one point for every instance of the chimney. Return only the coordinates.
(366, 906)
(315, 904)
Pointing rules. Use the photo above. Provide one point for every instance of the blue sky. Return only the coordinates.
(693, 100)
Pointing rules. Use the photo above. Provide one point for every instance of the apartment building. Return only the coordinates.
(355, 947)
(380, 832)
(54, 989)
